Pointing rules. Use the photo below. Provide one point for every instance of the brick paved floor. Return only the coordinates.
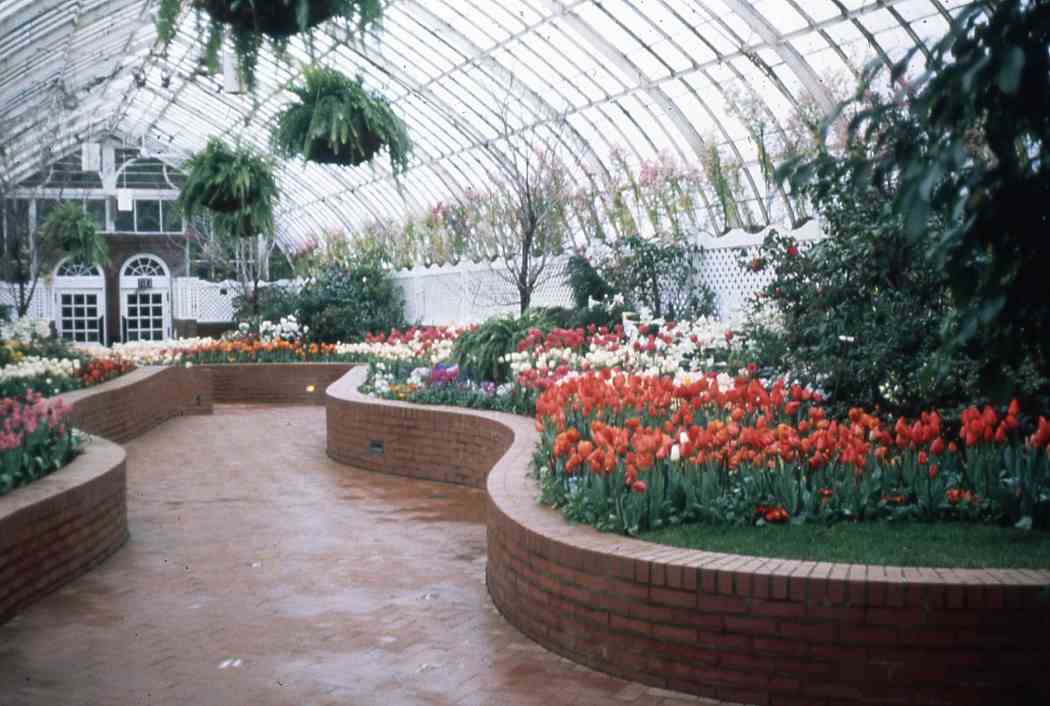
(260, 572)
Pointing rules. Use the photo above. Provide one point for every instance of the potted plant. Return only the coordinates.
(337, 121)
(69, 230)
(249, 22)
(235, 185)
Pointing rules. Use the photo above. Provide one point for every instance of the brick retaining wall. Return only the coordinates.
(57, 528)
(734, 628)
(274, 383)
(132, 404)
(429, 442)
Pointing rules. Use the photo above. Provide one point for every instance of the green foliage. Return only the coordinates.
(479, 351)
(70, 231)
(249, 23)
(272, 304)
(596, 316)
(345, 303)
(660, 276)
(586, 283)
(336, 121)
(235, 186)
(974, 192)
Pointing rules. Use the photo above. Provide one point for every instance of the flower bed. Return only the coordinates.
(36, 439)
(631, 453)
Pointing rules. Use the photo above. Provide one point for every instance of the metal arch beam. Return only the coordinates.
(714, 119)
(98, 16)
(788, 54)
(684, 126)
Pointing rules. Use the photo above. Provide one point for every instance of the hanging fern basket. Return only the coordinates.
(337, 121)
(250, 25)
(235, 186)
(274, 18)
(323, 151)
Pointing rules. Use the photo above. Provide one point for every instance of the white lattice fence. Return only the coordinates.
(39, 305)
(732, 284)
(469, 293)
(203, 301)
(473, 292)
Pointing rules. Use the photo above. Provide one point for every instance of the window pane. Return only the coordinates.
(147, 216)
(97, 210)
(172, 217)
(123, 220)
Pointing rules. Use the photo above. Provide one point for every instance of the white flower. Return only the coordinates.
(676, 453)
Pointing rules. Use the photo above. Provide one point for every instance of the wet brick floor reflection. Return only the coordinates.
(260, 572)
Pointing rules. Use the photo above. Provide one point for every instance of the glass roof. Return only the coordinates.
(648, 77)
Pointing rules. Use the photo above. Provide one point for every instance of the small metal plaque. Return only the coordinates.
(375, 447)
(145, 283)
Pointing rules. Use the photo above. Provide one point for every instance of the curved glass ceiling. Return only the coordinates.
(649, 76)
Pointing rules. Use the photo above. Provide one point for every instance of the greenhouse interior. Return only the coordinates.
(524, 352)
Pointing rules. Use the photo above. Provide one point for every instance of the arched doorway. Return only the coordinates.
(80, 302)
(145, 299)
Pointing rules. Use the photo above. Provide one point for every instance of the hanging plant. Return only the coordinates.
(336, 121)
(248, 23)
(68, 230)
(235, 186)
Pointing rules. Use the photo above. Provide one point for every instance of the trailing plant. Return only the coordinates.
(248, 23)
(336, 121)
(235, 186)
(72, 232)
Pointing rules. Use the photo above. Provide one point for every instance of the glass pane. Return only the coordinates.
(172, 217)
(96, 208)
(123, 220)
(147, 216)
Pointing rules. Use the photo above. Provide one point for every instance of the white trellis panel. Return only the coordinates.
(39, 305)
(203, 301)
(468, 293)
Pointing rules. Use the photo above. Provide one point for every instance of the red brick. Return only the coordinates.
(750, 626)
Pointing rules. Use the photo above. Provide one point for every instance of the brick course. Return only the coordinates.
(739, 629)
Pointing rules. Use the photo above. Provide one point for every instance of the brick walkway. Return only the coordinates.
(260, 572)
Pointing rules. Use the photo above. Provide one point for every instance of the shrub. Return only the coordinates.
(345, 303)
(864, 313)
(662, 277)
(274, 303)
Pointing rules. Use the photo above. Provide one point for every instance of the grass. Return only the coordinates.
(946, 544)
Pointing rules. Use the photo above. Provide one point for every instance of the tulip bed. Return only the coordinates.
(34, 359)
(630, 453)
(35, 439)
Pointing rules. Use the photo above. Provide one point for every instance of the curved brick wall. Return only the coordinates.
(58, 527)
(429, 442)
(273, 383)
(131, 405)
(741, 629)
